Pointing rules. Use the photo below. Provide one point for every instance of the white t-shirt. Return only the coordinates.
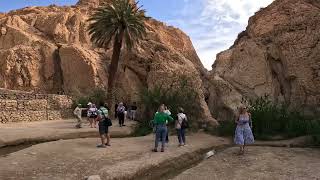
(181, 117)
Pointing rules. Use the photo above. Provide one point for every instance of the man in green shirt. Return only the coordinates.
(160, 120)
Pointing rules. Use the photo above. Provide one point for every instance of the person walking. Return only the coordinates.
(104, 124)
(121, 114)
(181, 125)
(167, 111)
(160, 120)
(78, 112)
(243, 132)
(115, 111)
(92, 115)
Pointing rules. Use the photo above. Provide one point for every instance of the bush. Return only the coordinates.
(177, 94)
(142, 129)
(270, 120)
(96, 96)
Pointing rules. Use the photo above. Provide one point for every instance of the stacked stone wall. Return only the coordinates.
(18, 107)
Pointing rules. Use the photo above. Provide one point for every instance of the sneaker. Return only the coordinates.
(123, 125)
(101, 146)
(108, 144)
(154, 150)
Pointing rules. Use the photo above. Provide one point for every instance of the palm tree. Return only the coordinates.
(121, 22)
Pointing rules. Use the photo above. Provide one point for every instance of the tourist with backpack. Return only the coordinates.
(92, 115)
(181, 126)
(104, 124)
(121, 114)
(160, 121)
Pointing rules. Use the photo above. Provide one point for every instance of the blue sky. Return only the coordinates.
(213, 25)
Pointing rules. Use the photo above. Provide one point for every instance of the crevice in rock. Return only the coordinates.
(58, 73)
(280, 78)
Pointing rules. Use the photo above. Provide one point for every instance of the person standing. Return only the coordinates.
(243, 132)
(160, 120)
(121, 114)
(104, 123)
(134, 111)
(115, 111)
(92, 115)
(78, 112)
(167, 111)
(125, 111)
(181, 126)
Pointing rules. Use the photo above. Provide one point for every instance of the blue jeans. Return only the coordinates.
(161, 132)
(181, 136)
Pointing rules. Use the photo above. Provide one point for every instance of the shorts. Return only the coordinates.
(103, 128)
(93, 116)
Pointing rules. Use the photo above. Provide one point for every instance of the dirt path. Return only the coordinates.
(127, 158)
(259, 163)
(34, 132)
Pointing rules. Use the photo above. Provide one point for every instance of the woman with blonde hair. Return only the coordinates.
(160, 120)
(243, 133)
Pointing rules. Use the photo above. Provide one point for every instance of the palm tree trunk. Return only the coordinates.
(113, 68)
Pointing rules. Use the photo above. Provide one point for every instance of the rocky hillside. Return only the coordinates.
(278, 55)
(47, 49)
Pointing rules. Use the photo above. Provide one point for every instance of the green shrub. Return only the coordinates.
(270, 120)
(142, 129)
(226, 128)
(96, 96)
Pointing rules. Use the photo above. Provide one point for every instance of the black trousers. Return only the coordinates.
(121, 118)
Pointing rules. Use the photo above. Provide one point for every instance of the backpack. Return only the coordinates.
(106, 119)
(184, 124)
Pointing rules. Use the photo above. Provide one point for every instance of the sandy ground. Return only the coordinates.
(259, 163)
(28, 132)
(77, 158)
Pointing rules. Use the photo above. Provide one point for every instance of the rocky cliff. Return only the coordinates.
(47, 49)
(278, 55)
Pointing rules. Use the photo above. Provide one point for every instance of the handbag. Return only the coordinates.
(107, 120)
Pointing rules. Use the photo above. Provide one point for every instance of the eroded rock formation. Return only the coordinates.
(47, 49)
(278, 55)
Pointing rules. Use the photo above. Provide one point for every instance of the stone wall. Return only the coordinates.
(17, 107)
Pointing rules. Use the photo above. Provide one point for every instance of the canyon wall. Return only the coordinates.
(47, 50)
(277, 55)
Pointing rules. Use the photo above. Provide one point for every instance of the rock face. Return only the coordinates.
(47, 49)
(278, 55)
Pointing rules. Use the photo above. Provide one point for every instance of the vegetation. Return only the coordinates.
(271, 120)
(96, 96)
(177, 94)
(120, 22)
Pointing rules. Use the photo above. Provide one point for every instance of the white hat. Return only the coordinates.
(89, 103)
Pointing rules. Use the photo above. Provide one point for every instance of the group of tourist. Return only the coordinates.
(162, 118)
(122, 112)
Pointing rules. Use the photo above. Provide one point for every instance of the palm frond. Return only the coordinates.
(109, 20)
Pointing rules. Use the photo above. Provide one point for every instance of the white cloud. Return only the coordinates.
(213, 25)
